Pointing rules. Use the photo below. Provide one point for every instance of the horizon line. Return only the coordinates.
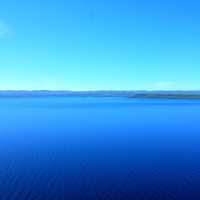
(98, 90)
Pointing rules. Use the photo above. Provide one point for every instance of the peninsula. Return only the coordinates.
(131, 94)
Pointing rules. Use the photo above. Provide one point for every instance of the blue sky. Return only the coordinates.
(104, 44)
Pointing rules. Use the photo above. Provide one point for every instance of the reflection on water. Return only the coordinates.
(99, 148)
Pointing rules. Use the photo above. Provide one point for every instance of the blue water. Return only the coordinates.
(99, 149)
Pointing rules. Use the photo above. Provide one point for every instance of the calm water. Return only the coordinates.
(99, 149)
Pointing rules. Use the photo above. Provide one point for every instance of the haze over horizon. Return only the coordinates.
(99, 45)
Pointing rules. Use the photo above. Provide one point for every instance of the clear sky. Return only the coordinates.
(100, 44)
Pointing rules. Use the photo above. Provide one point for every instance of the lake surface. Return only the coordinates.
(99, 149)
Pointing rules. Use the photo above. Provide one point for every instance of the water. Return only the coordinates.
(99, 149)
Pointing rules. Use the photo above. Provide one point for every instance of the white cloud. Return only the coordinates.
(164, 85)
(4, 30)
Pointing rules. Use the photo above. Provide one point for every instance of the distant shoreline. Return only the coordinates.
(166, 96)
(131, 94)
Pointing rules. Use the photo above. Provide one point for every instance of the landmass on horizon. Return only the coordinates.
(138, 94)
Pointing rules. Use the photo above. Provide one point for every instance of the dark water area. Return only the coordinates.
(99, 149)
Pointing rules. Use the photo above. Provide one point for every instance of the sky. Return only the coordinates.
(100, 45)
